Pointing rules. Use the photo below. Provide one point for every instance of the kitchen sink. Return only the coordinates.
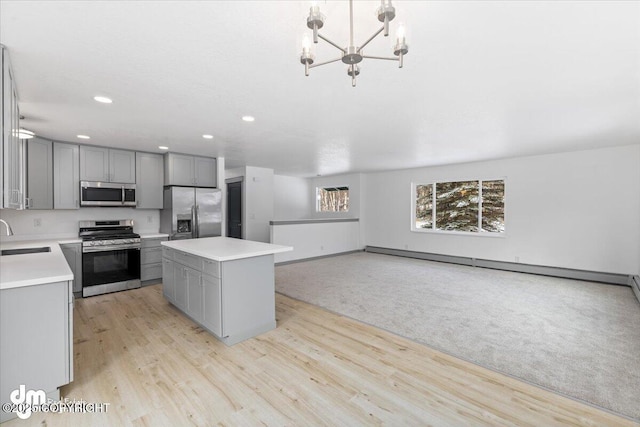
(21, 251)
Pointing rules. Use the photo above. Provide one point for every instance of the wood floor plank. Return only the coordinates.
(155, 367)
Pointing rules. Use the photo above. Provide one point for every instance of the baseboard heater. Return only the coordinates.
(635, 284)
(590, 276)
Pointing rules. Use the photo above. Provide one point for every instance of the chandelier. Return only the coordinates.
(352, 55)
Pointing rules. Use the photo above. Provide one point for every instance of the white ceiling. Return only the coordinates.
(482, 80)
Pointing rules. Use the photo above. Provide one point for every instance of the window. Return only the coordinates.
(461, 206)
(332, 199)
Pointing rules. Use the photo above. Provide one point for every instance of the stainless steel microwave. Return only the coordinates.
(94, 193)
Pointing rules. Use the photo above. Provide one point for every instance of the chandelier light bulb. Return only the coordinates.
(306, 44)
(401, 35)
(314, 9)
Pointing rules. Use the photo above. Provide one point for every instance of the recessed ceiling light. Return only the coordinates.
(83, 136)
(103, 99)
(207, 136)
(162, 147)
(248, 118)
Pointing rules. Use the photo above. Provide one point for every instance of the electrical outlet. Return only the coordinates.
(406, 246)
(37, 222)
(149, 219)
(517, 259)
(321, 248)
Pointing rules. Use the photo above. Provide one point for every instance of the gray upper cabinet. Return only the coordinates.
(39, 174)
(205, 171)
(122, 166)
(12, 156)
(66, 176)
(193, 171)
(107, 165)
(94, 163)
(149, 179)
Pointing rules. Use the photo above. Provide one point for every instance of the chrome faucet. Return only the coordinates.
(6, 224)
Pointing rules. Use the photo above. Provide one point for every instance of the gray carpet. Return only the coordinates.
(578, 338)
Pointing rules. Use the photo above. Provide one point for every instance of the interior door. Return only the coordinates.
(234, 209)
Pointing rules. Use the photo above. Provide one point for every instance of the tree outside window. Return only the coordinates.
(333, 199)
(461, 206)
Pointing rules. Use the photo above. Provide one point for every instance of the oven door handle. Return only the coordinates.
(109, 248)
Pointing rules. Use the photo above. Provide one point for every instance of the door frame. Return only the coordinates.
(228, 181)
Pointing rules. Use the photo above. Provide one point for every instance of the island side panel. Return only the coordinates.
(248, 298)
(34, 341)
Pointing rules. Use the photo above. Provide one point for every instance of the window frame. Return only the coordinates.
(336, 188)
(433, 230)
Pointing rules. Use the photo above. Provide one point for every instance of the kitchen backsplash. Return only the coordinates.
(52, 224)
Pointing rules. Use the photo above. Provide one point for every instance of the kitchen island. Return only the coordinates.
(225, 285)
(36, 320)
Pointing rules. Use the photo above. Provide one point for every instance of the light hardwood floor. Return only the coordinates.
(155, 367)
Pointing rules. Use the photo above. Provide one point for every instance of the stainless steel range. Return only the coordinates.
(110, 256)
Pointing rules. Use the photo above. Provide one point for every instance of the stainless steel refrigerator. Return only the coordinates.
(190, 212)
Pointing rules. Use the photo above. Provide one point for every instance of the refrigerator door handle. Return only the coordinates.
(197, 221)
(193, 222)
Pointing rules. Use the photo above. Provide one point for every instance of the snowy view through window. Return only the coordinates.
(333, 199)
(457, 206)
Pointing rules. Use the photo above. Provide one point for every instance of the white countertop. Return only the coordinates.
(33, 269)
(225, 248)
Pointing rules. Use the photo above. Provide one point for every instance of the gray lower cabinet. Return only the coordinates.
(168, 280)
(73, 254)
(36, 339)
(39, 174)
(211, 318)
(151, 260)
(66, 176)
(149, 179)
(235, 299)
(193, 283)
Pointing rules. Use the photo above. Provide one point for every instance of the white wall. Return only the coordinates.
(357, 184)
(257, 201)
(258, 194)
(220, 177)
(291, 198)
(315, 239)
(64, 223)
(574, 210)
